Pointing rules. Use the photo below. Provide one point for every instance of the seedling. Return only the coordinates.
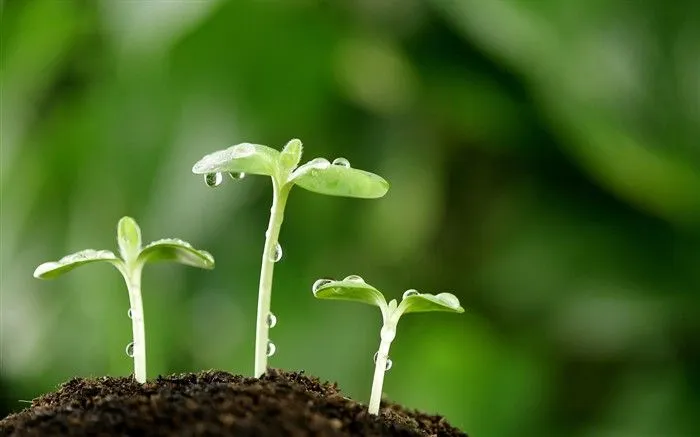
(319, 175)
(354, 288)
(130, 265)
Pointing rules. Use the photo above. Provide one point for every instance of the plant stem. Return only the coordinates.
(378, 381)
(279, 201)
(133, 281)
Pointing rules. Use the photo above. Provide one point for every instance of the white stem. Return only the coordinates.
(379, 371)
(133, 280)
(279, 200)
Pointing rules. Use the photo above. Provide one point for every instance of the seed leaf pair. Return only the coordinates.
(318, 175)
(353, 288)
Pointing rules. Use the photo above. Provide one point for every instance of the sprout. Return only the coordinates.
(354, 288)
(133, 258)
(318, 175)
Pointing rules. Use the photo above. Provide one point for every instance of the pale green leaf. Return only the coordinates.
(291, 154)
(241, 158)
(173, 249)
(352, 288)
(339, 179)
(128, 238)
(424, 302)
(67, 263)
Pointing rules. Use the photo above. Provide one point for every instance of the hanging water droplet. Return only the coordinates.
(213, 179)
(388, 364)
(354, 278)
(277, 253)
(341, 162)
(320, 283)
(130, 350)
(130, 313)
(236, 176)
(271, 348)
(410, 292)
(271, 320)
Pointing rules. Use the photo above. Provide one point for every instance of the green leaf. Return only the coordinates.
(424, 302)
(352, 288)
(128, 238)
(241, 158)
(173, 249)
(339, 179)
(52, 269)
(291, 154)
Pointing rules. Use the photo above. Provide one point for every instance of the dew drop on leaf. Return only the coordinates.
(341, 162)
(130, 349)
(271, 348)
(354, 278)
(236, 176)
(410, 292)
(213, 179)
(276, 255)
(271, 320)
(320, 283)
(130, 313)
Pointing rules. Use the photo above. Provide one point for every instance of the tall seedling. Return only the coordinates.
(319, 175)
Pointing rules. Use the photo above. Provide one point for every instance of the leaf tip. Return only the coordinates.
(41, 271)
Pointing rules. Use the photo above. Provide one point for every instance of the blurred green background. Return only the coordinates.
(544, 157)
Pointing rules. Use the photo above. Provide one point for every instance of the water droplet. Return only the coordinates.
(449, 299)
(389, 363)
(236, 176)
(320, 283)
(277, 253)
(130, 313)
(130, 349)
(271, 348)
(410, 292)
(213, 179)
(341, 162)
(354, 278)
(271, 320)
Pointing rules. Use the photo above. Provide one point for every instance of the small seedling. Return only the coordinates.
(354, 288)
(319, 175)
(130, 265)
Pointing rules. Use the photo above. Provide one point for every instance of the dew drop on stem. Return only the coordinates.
(213, 179)
(236, 176)
(342, 162)
(271, 320)
(389, 363)
(410, 292)
(320, 283)
(276, 254)
(271, 348)
(130, 350)
(130, 313)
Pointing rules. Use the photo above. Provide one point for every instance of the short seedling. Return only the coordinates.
(133, 258)
(354, 288)
(319, 175)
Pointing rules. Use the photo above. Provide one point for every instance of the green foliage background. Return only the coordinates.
(544, 157)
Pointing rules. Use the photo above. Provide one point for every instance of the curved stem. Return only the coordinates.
(378, 381)
(279, 201)
(138, 327)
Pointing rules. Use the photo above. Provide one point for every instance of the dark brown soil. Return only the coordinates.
(214, 404)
